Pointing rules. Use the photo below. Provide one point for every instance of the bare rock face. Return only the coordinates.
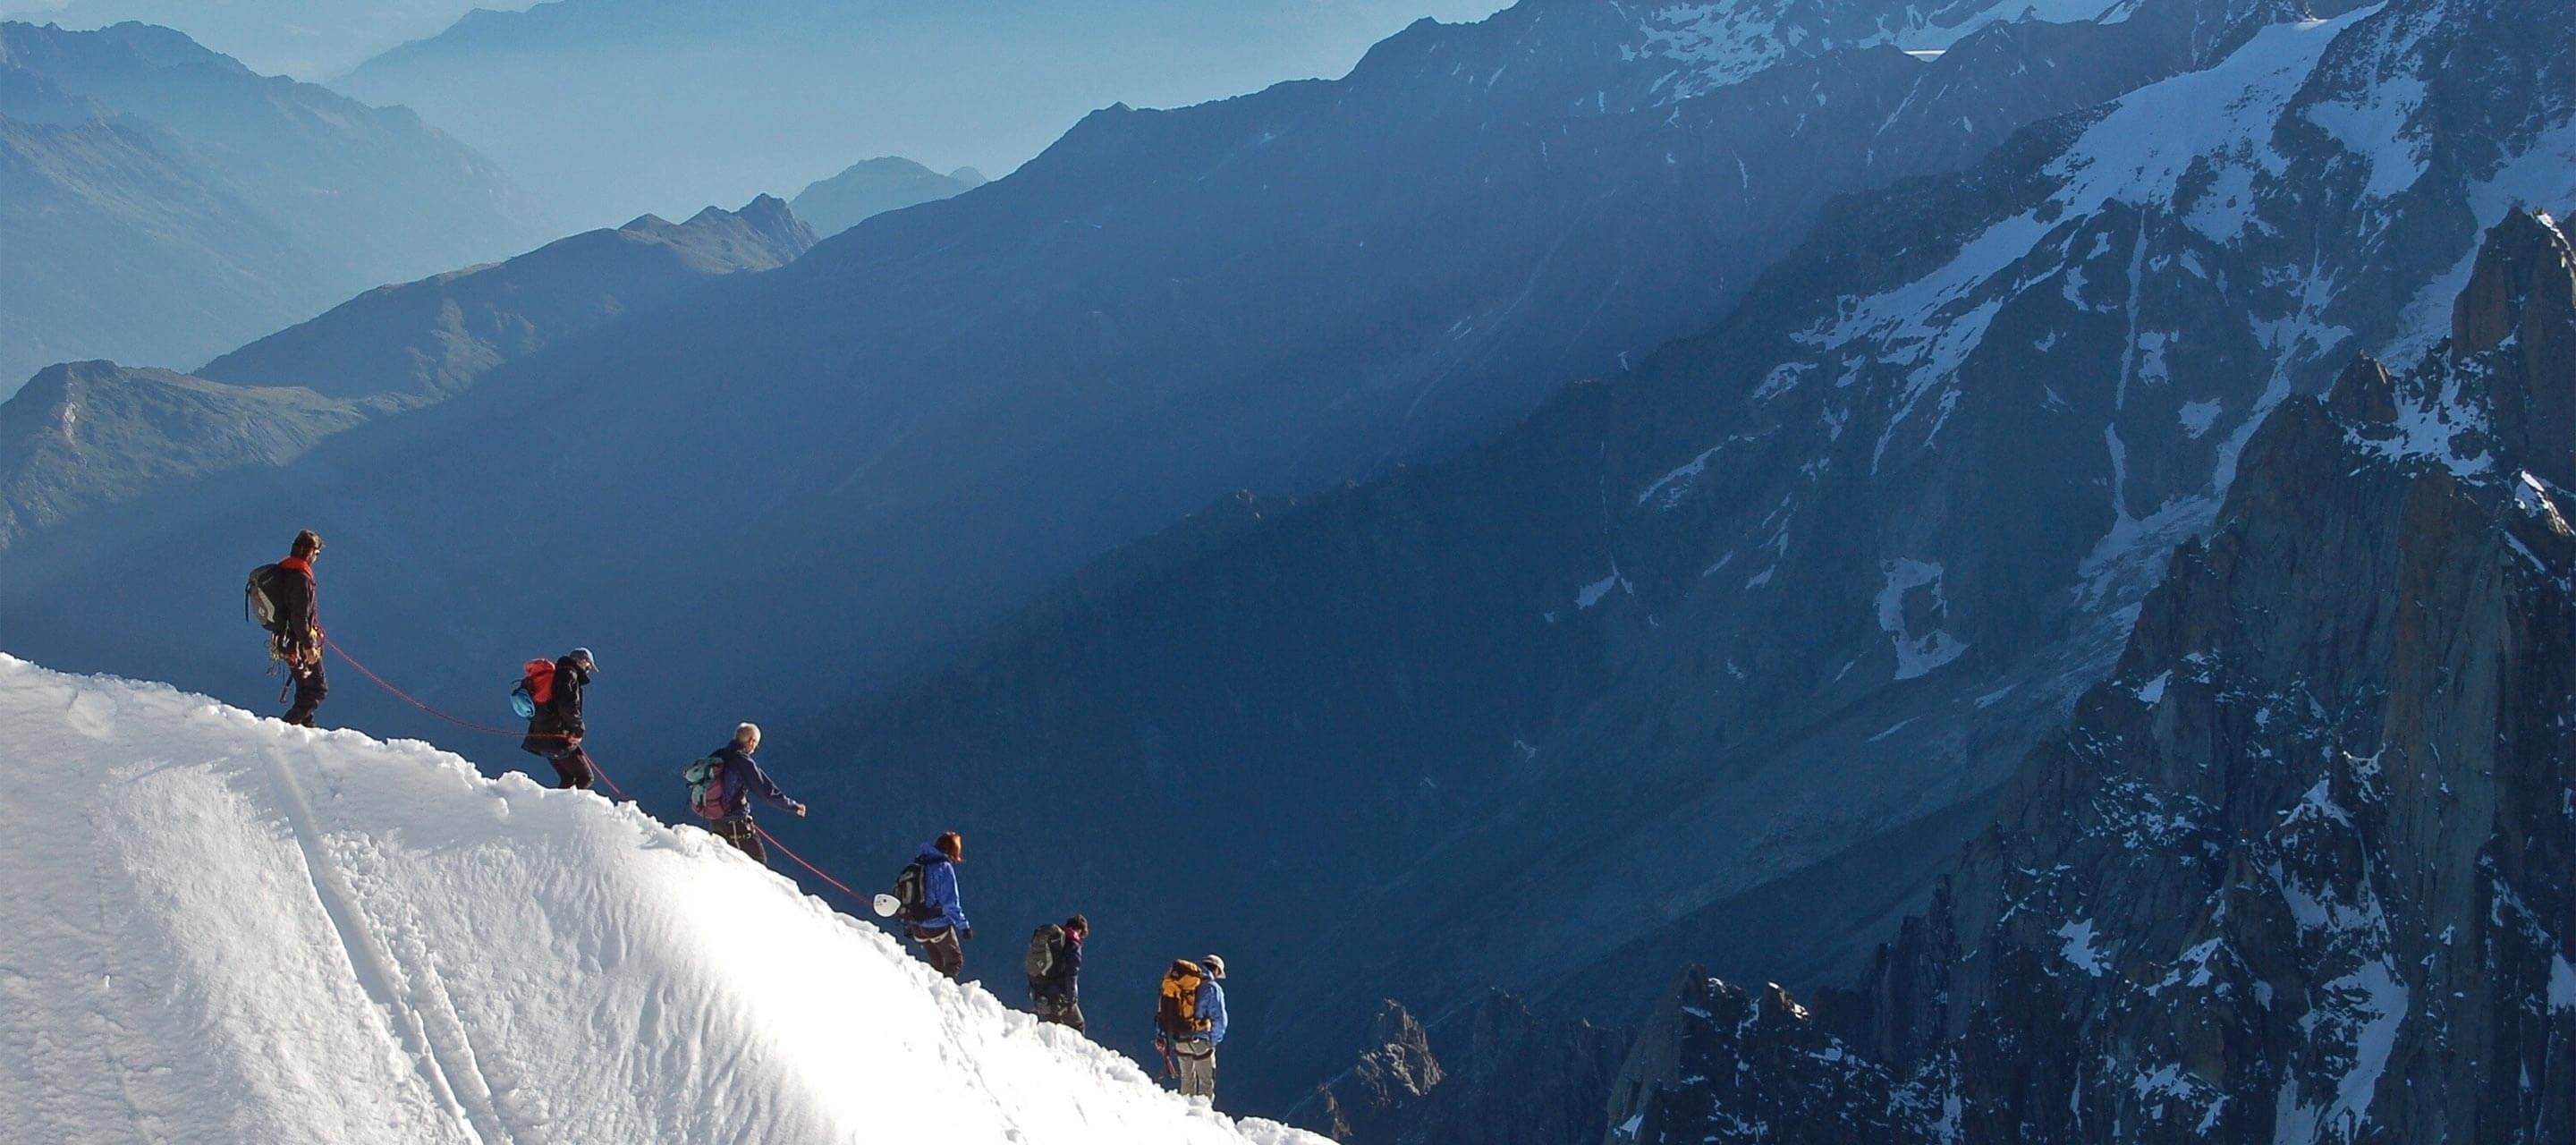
(1724, 1063)
(2301, 869)
(1388, 1084)
(1512, 1078)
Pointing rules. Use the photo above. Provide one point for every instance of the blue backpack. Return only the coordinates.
(536, 686)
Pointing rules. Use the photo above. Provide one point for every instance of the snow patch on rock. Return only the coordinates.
(1917, 654)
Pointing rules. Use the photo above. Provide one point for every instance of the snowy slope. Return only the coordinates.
(220, 928)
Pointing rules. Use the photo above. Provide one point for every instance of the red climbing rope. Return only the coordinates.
(601, 772)
(800, 861)
(468, 725)
(405, 697)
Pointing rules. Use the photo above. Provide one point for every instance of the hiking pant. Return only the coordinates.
(572, 770)
(744, 837)
(941, 947)
(310, 687)
(1197, 1063)
(1056, 1006)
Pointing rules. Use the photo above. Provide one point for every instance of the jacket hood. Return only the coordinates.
(930, 853)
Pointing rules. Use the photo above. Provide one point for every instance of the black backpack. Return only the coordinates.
(259, 599)
(1046, 944)
(913, 898)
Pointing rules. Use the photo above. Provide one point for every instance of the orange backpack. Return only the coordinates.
(1177, 1014)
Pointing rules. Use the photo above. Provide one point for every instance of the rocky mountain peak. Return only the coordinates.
(2364, 393)
(1510, 1077)
(1387, 1085)
(2514, 344)
(2524, 274)
(2296, 871)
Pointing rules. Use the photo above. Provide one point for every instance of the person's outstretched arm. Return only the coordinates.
(768, 789)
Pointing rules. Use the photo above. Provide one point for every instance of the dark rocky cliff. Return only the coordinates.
(2300, 869)
(1504, 1076)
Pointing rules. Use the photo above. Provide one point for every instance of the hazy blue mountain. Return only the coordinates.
(585, 101)
(84, 434)
(433, 337)
(104, 213)
(88, 435)
(165, 203)
(308, 39)
(938, 412)
(873, 187)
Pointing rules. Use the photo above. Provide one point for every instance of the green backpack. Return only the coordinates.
(706, 787)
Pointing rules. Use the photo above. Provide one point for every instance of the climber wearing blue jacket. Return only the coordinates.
(937, 919)
(1192, 1020)
(741, 778)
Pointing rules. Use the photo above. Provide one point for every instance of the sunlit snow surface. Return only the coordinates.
(220, 928)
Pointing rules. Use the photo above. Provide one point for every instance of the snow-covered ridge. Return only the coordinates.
(221, 928)
(1713, 45)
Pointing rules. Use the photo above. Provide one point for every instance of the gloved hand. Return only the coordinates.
(969, 934)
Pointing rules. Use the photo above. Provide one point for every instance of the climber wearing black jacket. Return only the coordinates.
(299, 642)
(1055, 992)
(556, 730)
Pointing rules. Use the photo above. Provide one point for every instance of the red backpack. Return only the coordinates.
(536, 688)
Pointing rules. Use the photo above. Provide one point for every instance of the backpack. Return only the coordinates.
(1177, 1014)
(911, 894)
(259, 599)
(536, 688)
(706, 787)
(1045, 944)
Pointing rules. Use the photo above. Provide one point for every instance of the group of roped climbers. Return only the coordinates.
(1189, 1015)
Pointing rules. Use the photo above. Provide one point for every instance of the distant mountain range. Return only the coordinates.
(164, 203)
(874, 186)
(87, 436)
(308, 39)
(434, 337)
(940, 411)
(587, 101)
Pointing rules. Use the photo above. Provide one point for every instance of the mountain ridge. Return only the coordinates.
(171, 203)
(83, 437)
